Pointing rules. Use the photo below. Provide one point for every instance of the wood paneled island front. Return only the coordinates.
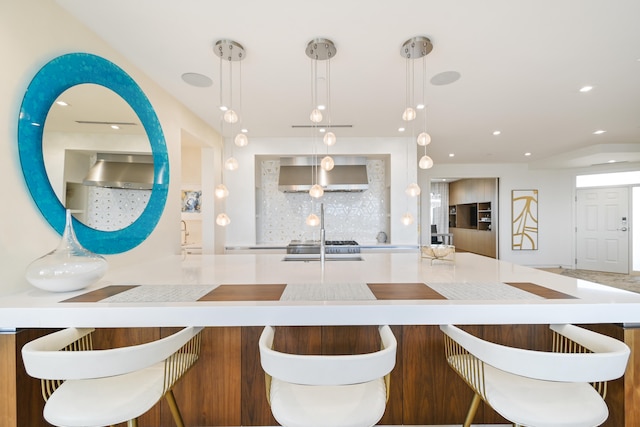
(331, 308)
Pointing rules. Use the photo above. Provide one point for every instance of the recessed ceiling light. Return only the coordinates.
(527, 154)
(496, 132)
(62, 103)
(420, 107)
(599, 132)
(322, 130)
(452, 155)
(611, 161)
(586, 88)
(400, 129)
(244, 130)
(223, 108)
(321, 107)
(115, 127)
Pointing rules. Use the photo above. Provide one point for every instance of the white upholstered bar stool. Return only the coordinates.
(536, 388)
(336, 391)
(83, 387)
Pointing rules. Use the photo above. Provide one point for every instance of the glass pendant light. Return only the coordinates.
(327, 163)
(425, 162)
(407, 219)
(316, 191)
(221, 191)
(329, 139)
(241, 140)
(316, 116)
(230, 116)
(231, 164)
(230, 51)
(313, 220)
(223, 220)
(415, 48)
(413, 190)
(319, 50)
(424, 139)
(409, 114)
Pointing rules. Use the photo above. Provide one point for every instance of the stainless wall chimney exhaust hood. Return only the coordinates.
(348, 174)
(126, 171)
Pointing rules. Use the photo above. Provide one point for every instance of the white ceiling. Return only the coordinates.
(521, 63)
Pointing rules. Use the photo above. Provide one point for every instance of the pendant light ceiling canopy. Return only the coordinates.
(321, 49)
(416, 47)
(229, 50)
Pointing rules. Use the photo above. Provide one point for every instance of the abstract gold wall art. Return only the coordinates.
(524, 220)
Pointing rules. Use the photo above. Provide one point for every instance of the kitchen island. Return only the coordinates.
(235, 295)
(481, 296)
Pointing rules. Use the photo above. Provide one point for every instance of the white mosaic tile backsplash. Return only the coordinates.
(111, 209)
(348, 216)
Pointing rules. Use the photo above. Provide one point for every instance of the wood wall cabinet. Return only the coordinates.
(472, 216)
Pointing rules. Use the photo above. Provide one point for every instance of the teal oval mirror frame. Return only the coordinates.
(53, 79)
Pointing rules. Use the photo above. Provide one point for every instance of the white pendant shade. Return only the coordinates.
(329, 139)
(412, 190)
(230, 116)
(424, 139)
(316, 116)
(313, 220)
(223, 220)
(316, 191)
(221, 191)
(327, 163)
(241, 140)
(425, 162)
(407, 219)
(409, 114)
(231, 164)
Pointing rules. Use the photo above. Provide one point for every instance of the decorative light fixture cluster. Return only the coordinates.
(230, 103)
(413, 49)
(320, 50)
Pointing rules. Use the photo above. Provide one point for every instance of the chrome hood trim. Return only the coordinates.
(298, 174)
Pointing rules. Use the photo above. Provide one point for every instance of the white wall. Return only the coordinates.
(32, 32)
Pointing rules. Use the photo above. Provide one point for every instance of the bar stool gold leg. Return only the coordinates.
(472, 410)
(173, 406)
(132, 423)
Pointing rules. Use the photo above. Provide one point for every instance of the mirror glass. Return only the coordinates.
(90, 123)
(48, 86)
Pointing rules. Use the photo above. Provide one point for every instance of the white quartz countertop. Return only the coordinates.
(474, 290)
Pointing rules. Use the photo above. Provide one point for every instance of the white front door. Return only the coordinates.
(602, 235)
